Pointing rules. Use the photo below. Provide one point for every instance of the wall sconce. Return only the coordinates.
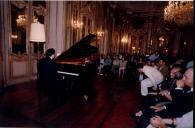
(14, 36)
(100, 33)
(133, 49)
(151, 42)
(76, 24)
(161, 38)
(124, 39)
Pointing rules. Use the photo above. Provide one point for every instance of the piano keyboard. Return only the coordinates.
(68, 73)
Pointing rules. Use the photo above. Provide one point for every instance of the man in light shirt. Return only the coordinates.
(155, 77)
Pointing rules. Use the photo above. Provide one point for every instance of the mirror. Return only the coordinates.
(18, 27)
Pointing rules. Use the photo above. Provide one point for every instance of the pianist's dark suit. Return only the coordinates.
(47, 78)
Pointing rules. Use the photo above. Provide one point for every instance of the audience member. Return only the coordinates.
(189, 64)
(107, 65)
(182, 102)
(101, 65)
(154, 56)
(115, 65)
(155, 77)
(186, 121)
(162, 67)
(122, 67)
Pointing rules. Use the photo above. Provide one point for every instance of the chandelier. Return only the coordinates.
(180, 12)
(21, 21)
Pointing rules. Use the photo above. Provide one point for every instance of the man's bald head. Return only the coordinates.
(188, 77)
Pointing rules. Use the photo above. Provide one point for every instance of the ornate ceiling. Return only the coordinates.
(139, 8)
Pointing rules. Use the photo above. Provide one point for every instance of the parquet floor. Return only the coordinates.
(111, 107)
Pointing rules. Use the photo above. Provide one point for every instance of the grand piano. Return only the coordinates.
(75, 69)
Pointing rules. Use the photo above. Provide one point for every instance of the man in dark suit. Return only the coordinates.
(186, 120)
(47, 77)
(182, 102)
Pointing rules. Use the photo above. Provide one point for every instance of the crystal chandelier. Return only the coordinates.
(180, 12)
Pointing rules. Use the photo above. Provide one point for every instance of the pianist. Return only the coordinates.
(47, 77)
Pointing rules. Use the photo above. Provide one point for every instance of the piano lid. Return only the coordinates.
(81, 49)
